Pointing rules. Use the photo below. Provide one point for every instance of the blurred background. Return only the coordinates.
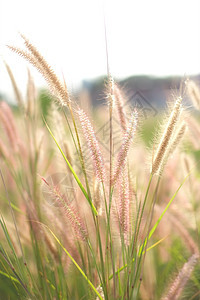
(152, 45)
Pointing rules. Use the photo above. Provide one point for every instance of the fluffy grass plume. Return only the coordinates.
(166, 136)
(182, 278)
(86, 232)
(193, 93)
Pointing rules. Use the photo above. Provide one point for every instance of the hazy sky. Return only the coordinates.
(154, 37)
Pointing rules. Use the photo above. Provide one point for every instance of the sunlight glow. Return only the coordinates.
(144, 37)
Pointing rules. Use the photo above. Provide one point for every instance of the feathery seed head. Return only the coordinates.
(123, 152)
(124, 202)
(176, 139)
(119, 100)
(187, 164)
(14, 84)
(37, 60)
(193, 93)
(69, 211)
(166, 137)
(182, 278)
(100, 291)
(31, 95)
(110, 92)
(93, 145)
(76, 221)
(98, 195)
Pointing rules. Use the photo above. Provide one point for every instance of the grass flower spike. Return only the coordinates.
(176, 140)
(69, 211)
(87, 232)
(119, 101)
(93, 145)
(166, 137)
(37, 60)
(123, 152)
(182, 278)
(194, 93)
(124, 203)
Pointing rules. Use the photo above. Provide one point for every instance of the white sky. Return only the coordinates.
(152, 37)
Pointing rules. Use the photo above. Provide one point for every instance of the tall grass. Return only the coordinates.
(79, 224)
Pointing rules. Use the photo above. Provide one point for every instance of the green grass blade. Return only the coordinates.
(163, 213)
(9, 276)
(75, 263)
(125, 266)
(73, 172)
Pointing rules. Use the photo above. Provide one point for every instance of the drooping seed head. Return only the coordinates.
(37, 60)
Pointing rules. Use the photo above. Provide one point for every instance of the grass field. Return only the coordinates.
(97, 203)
